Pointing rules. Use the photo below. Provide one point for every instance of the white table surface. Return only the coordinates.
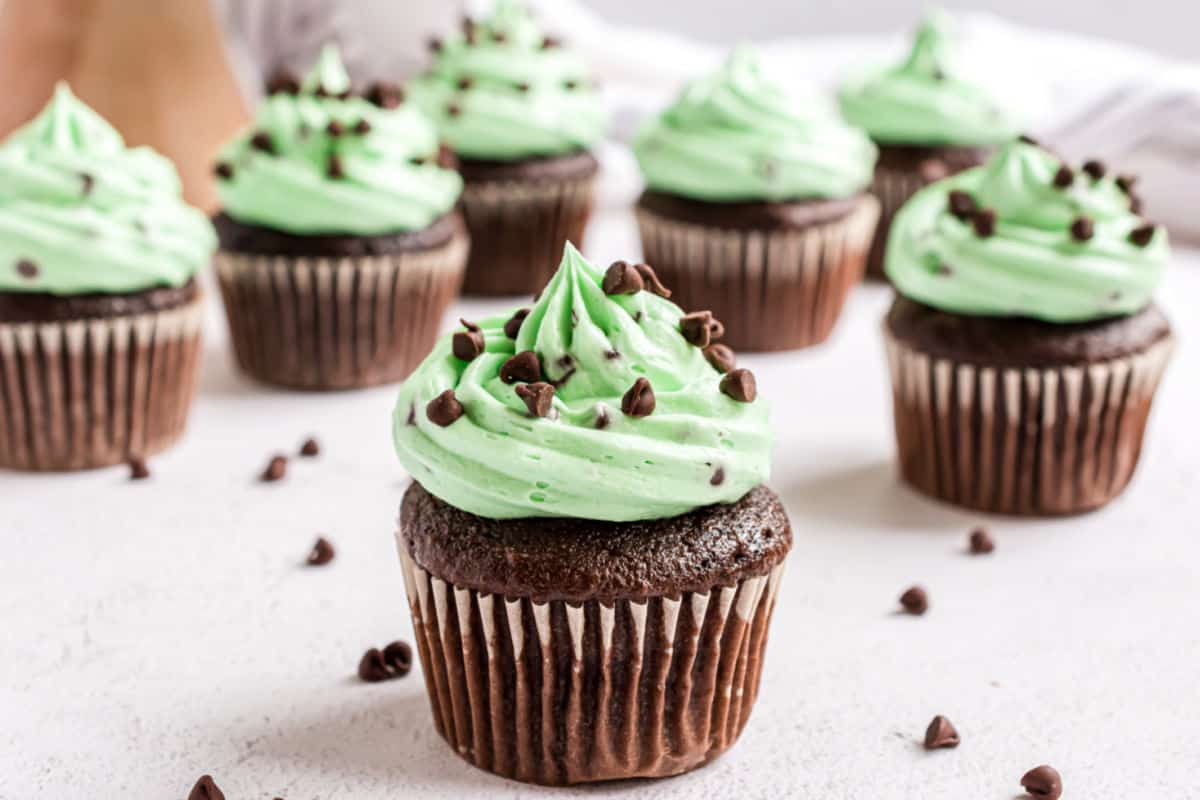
(156, 631)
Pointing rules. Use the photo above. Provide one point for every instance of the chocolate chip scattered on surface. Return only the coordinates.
(721, 357)
(398, 657)
(513, 327)
(622, 278)
(393, 661)
(524, 367)
(941, 734)
(276, 469)
(321, 554)
(639, 401)
(311, 448)
(1043, 782)
(538, 397)
(469, 344)
(206, 789)
(444, 410)
(138, 471)
(981, 542)
(740, 385)
(915, 601)
(1082, 229)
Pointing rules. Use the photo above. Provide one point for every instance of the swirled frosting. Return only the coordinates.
(500, 90)
(737, 135)
(587, 458)
(320, 160)
(927, 99)
(1026, 235)
(80, 213)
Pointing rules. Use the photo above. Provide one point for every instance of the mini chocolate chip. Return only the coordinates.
(1135, 204)
(1043, 782)
(611, 355)
(566, 362)
(1142, 235)
(262, 141)
(720, 357)
(940, 734)
(981, 542)
(523, 87)
(206, 789)
(335, 169)
(1095, 169)
(639, 400)
(1125, 183)
(550, 42)
(320, 91)
(223, 170)
(310, 448)
(335, 128)
(574, 318)
(276, 469)
(138, 471)
(27, 269)
(622, 278)
(650, 278)
(1064, 177)
(362, 127)
(513, 326)
(465, 82)
(500, 37)
(321, 554)
(944, 270)
(601, 418)
(469, 344)
(372, 668)
(398, 657)
(523, 367)
(453, 109)
(1025, 138)
(538, 397)
(444, 410)
(984, 222)
(434, 44)
(412, 415)
(385, 95)
(740, 385)
(718, 477)
(283, 82)
(570, 85)
(1082, 229)
(699, 328)
(962, 205)
(915, 601)
(637, 317)
(88, 181)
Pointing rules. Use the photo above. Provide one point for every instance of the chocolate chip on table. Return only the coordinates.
(538, 397)
(513, 326)
(393, 661)
(206, 789)
(138, 471)
(283, 82)
(223, 170)
(981, 542)
(385, 95)
(335, 128)
(1142, 235)
(398, 657)
(27, 269)
(524, 367)
(740, 385)
(639, 400)
(940, 734)
(310, 448)
(915, 601)
(362, 127)
(444, 410)
(984, 222)
(962, 205)
(1082, 229)
(276, 470)
(622, 278)
(720, 357)
(467, 345)
(1043, 782)
(1064, 177)
(321, 554)
(1095, 169)
(261, 141)
(650, 278)
(699, 328)
(335, 169)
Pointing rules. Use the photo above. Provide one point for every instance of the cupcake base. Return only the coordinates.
(93, 381)
(776, 274)
(1020, 417)
(520, 216)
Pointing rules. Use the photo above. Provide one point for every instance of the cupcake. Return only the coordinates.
(755, 206)
(1024, 346)
(100, 312)
(590, 555)
(929, 118)
(340, 243)
(521, 113)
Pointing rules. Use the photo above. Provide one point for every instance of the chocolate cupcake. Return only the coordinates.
(929, 118)
(1025, 349)
(340, 243)
(755, 206)
(590, 556)
(100, 314)
(521, 112)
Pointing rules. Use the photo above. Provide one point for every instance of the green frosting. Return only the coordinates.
(1041, 261)
(587, 459)
(921, 101)
(80, 213)
(500, 90)
(291, 171)
(737, 135)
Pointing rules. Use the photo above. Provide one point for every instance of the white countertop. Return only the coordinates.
(156, 631)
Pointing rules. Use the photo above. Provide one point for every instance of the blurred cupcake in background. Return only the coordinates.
(1025, 347)
(340, 243)
(521, 113)
(756, 207)
(930, 118)
(100, 311)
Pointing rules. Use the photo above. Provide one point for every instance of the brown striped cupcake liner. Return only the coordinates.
(519, 229)
(323, 323)
(89, 393)
(773, 290)
(1037, 441)
(558, 692)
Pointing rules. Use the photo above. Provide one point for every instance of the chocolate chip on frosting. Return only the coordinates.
(538, 397)
(1125, 183)
(223, 170)
(639, 400)
(523, 367)
(335, 128)
(1143, 234)
(1095, 169)
(718, 477)
(513, 327)
(385, 95)
(720, 357)
(465, 82)
(283, 82)
(1064, 177)
(27, 269)
(262, 141)
(570, 85)
(650, 278)
(962, 205)
(740, 385)
(1082, 229)
(362, 127)
(551, 42)
(453, 109)
(335, 169)
(88, 182)
(699, 328)
(523, 87)
(1025, 138)
(984, 222)
(500, 37)
(206, 789)
(940, 734)
(622, 278)
(444, 410)
(467, 345)
(601, 418)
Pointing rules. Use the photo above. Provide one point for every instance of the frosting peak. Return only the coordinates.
(599, 408)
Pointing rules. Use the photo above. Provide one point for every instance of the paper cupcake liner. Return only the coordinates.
(558, 693)
(337, 323)
(773, 290)
(1032, 442)
(519, 229)
(92, 393)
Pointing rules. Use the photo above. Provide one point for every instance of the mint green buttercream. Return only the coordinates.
(925, 100)
(497, 461)
(390, 180)
(1031, 266)
(500, 93)
(80, 213)
(737, 135)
